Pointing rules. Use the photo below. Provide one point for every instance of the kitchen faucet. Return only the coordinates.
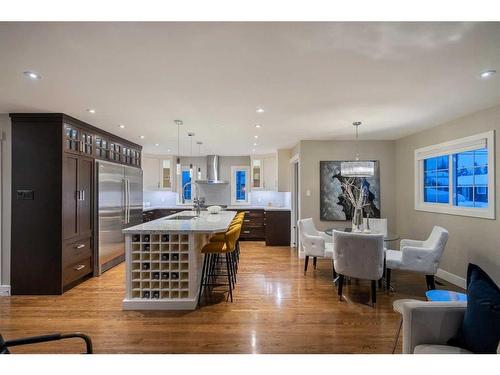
(198, 203)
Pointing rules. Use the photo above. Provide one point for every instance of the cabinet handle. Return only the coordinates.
(246, 231)
(79, 267)
(246, 220)
(83, 195)
(80, 246)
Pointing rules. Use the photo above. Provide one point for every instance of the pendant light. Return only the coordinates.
(199, 154)
(191, 135)
(178, 163)
(357, 168)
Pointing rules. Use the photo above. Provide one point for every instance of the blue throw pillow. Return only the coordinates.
(480, 331)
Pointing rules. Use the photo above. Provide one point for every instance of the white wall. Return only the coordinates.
(6, 164)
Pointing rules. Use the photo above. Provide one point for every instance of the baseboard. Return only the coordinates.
(451, 278)
(4, 290)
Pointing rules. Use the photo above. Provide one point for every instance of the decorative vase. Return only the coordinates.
(357, 220)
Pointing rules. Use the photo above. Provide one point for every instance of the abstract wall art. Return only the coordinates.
(334, 205)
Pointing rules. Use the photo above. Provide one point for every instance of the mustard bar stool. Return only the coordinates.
(211, 254)
(219, 237)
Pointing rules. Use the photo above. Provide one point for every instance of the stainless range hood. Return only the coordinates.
(212, 171)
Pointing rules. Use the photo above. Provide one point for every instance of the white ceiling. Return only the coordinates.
(313, 79)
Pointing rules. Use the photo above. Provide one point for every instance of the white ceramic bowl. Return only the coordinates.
(214, 209)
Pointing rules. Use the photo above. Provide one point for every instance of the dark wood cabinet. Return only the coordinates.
(158, 213)
(253, 225)
(277, 228)
(53, 200)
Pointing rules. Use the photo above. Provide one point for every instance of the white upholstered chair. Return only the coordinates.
(418, 256)
(314, 243)
(359, 255)
(376, 225)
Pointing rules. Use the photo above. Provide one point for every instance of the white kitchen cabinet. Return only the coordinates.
(151, 173)
(270, 180)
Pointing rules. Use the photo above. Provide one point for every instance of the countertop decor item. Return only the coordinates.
(214, 209)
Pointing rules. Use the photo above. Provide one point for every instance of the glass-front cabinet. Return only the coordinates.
(166, 174)
(257, 181)
(71, 139)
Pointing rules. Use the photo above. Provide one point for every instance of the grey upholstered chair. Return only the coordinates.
(359, 255)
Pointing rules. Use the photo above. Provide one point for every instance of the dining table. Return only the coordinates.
(388, 237)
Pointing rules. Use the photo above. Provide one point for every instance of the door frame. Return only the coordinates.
(295, 213)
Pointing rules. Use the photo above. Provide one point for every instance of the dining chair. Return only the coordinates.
(418, 256)
(358, 255)
(376, 225)
(315, 244)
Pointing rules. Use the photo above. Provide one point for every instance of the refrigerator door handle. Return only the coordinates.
(124, 200)
(127, 184)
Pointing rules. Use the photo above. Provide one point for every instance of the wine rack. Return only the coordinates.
(159, 266)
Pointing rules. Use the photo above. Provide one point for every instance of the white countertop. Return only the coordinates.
(249, 207)
(205, 223)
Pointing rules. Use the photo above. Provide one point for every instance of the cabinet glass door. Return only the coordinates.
(257, 174)
(71, 138)
(166, 173)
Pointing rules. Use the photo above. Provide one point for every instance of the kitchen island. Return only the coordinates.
(163, 259)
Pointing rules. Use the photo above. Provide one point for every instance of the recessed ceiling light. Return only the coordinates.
(142, 137)
(258, 126)
(255, 144)
(122, 126)
(32, 75)
(487, 73)
(259, 110)
(253, 150)
(157, 144)
(90, 110)
(168, 150)
(256, 136)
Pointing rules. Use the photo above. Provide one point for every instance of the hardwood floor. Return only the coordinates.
(276, 309)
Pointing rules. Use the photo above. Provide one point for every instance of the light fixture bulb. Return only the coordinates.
(122, 126)
(260, 110)
(90, 110)
(258, 126)
(142, 137)
(32, 75)
(488, 73)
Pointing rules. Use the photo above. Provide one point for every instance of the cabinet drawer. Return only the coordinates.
(252, 233)
(253, 214)
(253, 222)
(75, 251)
(76, 270)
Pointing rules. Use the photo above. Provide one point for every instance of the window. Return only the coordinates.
(471, 178)
(240, 179)
(456, 177)
(187, 189)
(436, 180)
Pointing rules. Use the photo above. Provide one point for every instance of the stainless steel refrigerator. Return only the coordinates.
(119, 206)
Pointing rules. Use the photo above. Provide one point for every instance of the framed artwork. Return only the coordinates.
(333, 204)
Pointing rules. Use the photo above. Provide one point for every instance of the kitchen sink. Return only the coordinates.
(180, 217)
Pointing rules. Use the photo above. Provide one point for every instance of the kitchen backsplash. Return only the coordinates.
(219, 194)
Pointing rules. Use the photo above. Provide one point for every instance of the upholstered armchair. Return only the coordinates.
(418, 256)
(359, 255)
(314, 243)
(427, 326)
